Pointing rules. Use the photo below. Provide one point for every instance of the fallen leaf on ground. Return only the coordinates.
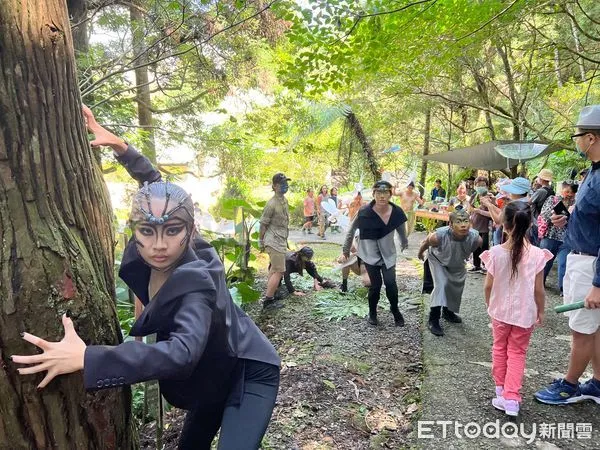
(412, 408)
(378, 420)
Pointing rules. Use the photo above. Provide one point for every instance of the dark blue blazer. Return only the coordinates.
(202, 336)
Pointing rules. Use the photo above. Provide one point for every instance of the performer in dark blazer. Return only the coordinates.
(210, 358)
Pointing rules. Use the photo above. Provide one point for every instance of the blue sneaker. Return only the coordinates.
(590, 390)
(559, 393)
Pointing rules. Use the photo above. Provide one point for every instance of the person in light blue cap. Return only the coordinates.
(517, 190)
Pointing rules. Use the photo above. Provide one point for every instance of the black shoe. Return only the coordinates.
(372, 319)
(398, 318)
(344, 286)
(435, 327)
(450, 316)
(271, 303)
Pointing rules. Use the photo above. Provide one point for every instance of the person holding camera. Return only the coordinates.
(553, 237)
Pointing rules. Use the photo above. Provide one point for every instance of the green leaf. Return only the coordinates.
(247, 293)
(329, 384)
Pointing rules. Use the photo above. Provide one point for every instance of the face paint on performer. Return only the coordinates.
(162, 227)
(460, 223)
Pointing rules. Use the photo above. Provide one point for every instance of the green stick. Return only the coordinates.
(569, 307)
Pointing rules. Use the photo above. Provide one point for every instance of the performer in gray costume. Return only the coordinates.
(449, 247)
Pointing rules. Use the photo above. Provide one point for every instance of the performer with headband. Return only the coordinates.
(449, 247)
(377, 223)
(210, 358)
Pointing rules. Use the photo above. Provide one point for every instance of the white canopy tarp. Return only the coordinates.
(483, 156)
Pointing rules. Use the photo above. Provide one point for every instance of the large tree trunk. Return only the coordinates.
(143, 98)
(56, 234)
(426, 140)
(357, 129)
(78, 14)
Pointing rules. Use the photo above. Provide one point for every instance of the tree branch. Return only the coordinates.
(488, 22)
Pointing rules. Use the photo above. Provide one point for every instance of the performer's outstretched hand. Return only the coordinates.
(58, 358)
(101, 135)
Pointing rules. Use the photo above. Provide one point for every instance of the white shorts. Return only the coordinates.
(576, 285)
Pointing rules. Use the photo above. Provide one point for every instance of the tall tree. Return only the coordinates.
(142, 85)
(56, 234)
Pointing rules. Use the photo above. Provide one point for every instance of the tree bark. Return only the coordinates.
(577, 44)
(559, 81)
(512, 93)
(143, 97)
(357, 129)
(78, 15)
(426, 139)
(56, 234)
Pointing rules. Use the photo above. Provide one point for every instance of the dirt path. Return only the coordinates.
(345, 385)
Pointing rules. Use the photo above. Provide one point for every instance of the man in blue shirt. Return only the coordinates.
(438, 190)
(582, 277)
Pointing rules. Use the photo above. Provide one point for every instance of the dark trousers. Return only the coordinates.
(379, 275)
(242, 426)
(478, 251)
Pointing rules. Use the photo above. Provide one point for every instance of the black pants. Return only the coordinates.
(242, 426)
(478, 251)
(391, 288)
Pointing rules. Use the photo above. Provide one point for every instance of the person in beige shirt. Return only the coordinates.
(408, 197)
(274, 224)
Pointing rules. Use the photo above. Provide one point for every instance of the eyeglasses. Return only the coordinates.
(575, 136)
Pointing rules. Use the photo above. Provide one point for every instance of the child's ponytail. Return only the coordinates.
(517, 220)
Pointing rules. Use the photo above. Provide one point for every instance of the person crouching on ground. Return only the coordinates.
(297, 262)
(515, 297)
(210, 358)
(377, 223)
(449, 247)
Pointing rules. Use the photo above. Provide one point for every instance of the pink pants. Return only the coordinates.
(508, 357)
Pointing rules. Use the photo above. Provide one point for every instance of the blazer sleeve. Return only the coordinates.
(174, 358)
(138, 166)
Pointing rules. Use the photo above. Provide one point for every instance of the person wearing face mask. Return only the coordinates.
(274, 224)
(480, 221)
(542, 193)
(449, 247)
(553, 237)
(582, 275)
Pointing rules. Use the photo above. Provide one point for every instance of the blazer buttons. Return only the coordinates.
(121, 381)
(99, 384)
(113, 382)
(107, 382)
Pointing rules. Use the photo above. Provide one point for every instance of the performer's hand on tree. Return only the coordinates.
(58, 358)
(102, 137)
